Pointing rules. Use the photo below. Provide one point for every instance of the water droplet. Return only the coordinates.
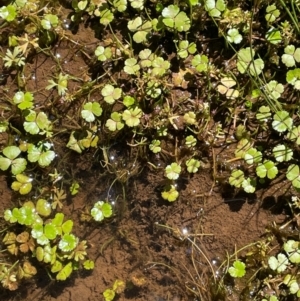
(58, 55)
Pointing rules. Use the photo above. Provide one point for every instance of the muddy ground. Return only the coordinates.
(135, 246)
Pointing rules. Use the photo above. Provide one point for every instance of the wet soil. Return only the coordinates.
(146, 243)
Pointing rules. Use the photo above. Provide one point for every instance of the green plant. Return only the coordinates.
(132, 116)
(111, 94)
(185, 48)
(238, 269)
(49, 21)
(293, 78)
(140, 28)
(267, 169)
(61, 85)
(23, 100)
(173, 18)
(49, 240)
(155, 146)
(18, 165)
(14, 58)
(291, 56)
(8, 12)
(170, 193)
(37, 123)
(172, 171)
(103, 54)
(41, 153)
(90, 110)
(115, 122)
(282, 121)
(200, 62)
(247, 63)
(215, 8)
(192, 165)
(272, 13)
(109, 294)
(101, 210)
(233, 36)
(22, 184)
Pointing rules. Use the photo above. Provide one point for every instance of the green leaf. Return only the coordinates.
(233, 36)
(4, 163)
(109, 294)
(272, 13)
(293, 78)
(23, 100)
(67, 226)
(90, 110)
(11, 152)
(292, 248)
(155, 146)
(176, 19)
(294, 134)
(236, 178)
(273, 36)
(172, 171)
(106, 15)
(267, 169)
(279, 264)
(115, 123)
(65, 272)
(292, 174)
(131, 66)
(8, 12)
(68, 242)
(111, 94)
(88, 264)
(37, 232)
(120, 5)
(247, 63)
(200, 62)
(170, 194)
(132, 116)
(43, 207)
(50, 231)
(249, 185)
(103, 54)
(23, 184)
(282, 153)
(264, 113)
(252, 156)
(41, 154)
(192, 165)
(238, 269)
(282, 121)
(274, 89)
(74, 188)
(101, 210)
(214, 8)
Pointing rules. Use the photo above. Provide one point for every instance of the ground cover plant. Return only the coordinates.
(175, 89)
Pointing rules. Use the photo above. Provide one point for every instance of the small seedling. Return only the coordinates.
(170, 193)
(111, 94)
(132, 116)
(278, 264)
(60, 85)
(267, 169)
(90, 110)
(172, 171)
(173, 18)
(101, 210)
(18, 165)
(192, 165)
(238, 269)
